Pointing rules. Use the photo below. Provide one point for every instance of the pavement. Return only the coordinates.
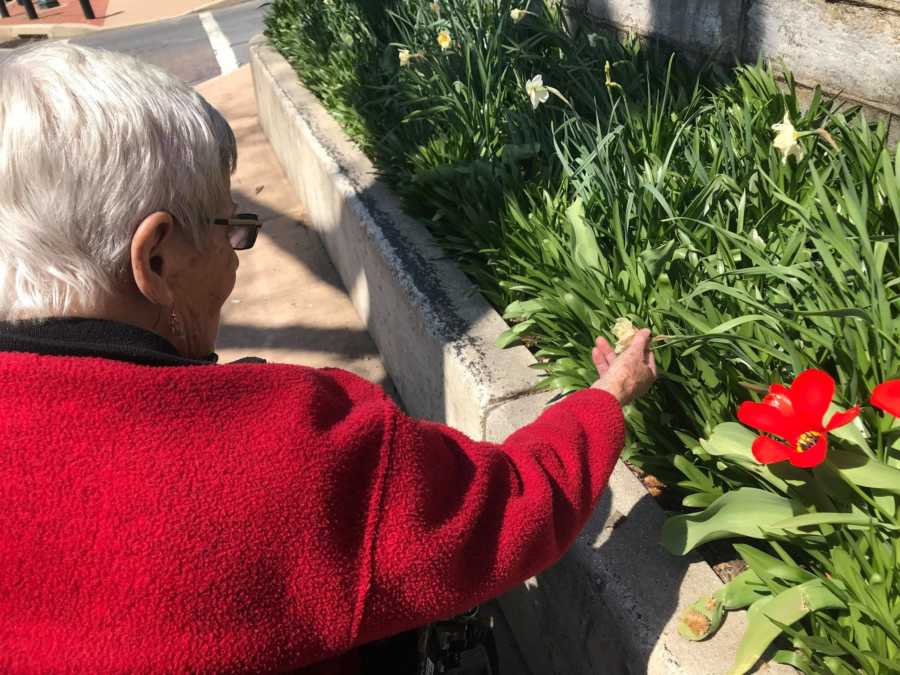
(68, 20)
(195, 47)
(289, 305)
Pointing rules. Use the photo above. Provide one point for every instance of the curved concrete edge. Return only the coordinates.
(611, 603)
(433, 329)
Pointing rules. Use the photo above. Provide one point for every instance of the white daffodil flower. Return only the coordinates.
(444, 39)
(758, 241)
(538, 92)
(518, 14)
(624, 332)
(786, 139)
(405, 57)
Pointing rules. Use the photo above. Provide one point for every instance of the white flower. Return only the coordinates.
(405, 56)
(624, 332)
(444, 39)
(758, 241)
(786, 139)
(538, 92)
(593, 39)
(518, 14)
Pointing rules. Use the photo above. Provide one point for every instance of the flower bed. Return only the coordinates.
(621, 184)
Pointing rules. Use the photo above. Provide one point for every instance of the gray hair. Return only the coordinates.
(91, 143)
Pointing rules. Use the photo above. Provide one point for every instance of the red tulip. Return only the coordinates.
(886, 396)
(795, 414)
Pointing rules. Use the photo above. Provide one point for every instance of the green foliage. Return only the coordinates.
(659, 197)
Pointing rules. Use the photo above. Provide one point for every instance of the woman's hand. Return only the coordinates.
(628, 375)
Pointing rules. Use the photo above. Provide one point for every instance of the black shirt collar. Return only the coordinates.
(93, 337)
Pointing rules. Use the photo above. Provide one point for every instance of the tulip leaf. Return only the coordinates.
(586, 250)
(865, 471)
(745, 512)
(699, 500)
(522, 308)
(796, 523)
(655, 259)
(786, 608)
(849, 432)
(742, 591)
(769, 567)
(701, 619)
(509, 337)
(731, 441)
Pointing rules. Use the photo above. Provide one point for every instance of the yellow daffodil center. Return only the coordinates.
(443, 39)
(808, 440)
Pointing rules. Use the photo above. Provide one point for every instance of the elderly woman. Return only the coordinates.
(161, 513)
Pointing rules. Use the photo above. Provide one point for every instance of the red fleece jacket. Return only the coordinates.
(261, 517)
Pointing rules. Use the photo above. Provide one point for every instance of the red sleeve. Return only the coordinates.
(454, 522)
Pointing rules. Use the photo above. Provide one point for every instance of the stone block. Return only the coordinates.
(844, 47)
(699, 25)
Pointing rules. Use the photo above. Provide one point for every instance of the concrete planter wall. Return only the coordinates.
(610, 605)
(848, 47)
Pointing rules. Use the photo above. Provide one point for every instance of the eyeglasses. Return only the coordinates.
(243, 228)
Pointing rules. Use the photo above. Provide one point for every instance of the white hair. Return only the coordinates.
(91, 143)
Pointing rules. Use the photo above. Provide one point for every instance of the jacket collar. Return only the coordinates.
(93, 338)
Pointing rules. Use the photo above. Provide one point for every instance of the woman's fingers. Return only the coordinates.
(602, 355)
(599, 361)
(640, 343)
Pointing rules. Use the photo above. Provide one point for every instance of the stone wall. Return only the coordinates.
(849, 47)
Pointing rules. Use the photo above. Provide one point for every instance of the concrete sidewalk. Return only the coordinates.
(68, 19)
(289, 305)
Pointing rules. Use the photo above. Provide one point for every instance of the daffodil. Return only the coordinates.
(608, 74)
(405, 57)
(518, 14)
(624, 332)
(538, 92)
(786, 139)
(758, 241)
(444, 39)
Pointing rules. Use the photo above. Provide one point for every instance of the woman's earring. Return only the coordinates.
(174, 322)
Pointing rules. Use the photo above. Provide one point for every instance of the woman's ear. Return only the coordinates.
(153, 256)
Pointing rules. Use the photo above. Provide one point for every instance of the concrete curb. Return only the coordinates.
(611, 603)
(58, 31)
(53, 31)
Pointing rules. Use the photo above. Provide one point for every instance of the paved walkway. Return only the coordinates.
(289, 305)
(109, 13)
